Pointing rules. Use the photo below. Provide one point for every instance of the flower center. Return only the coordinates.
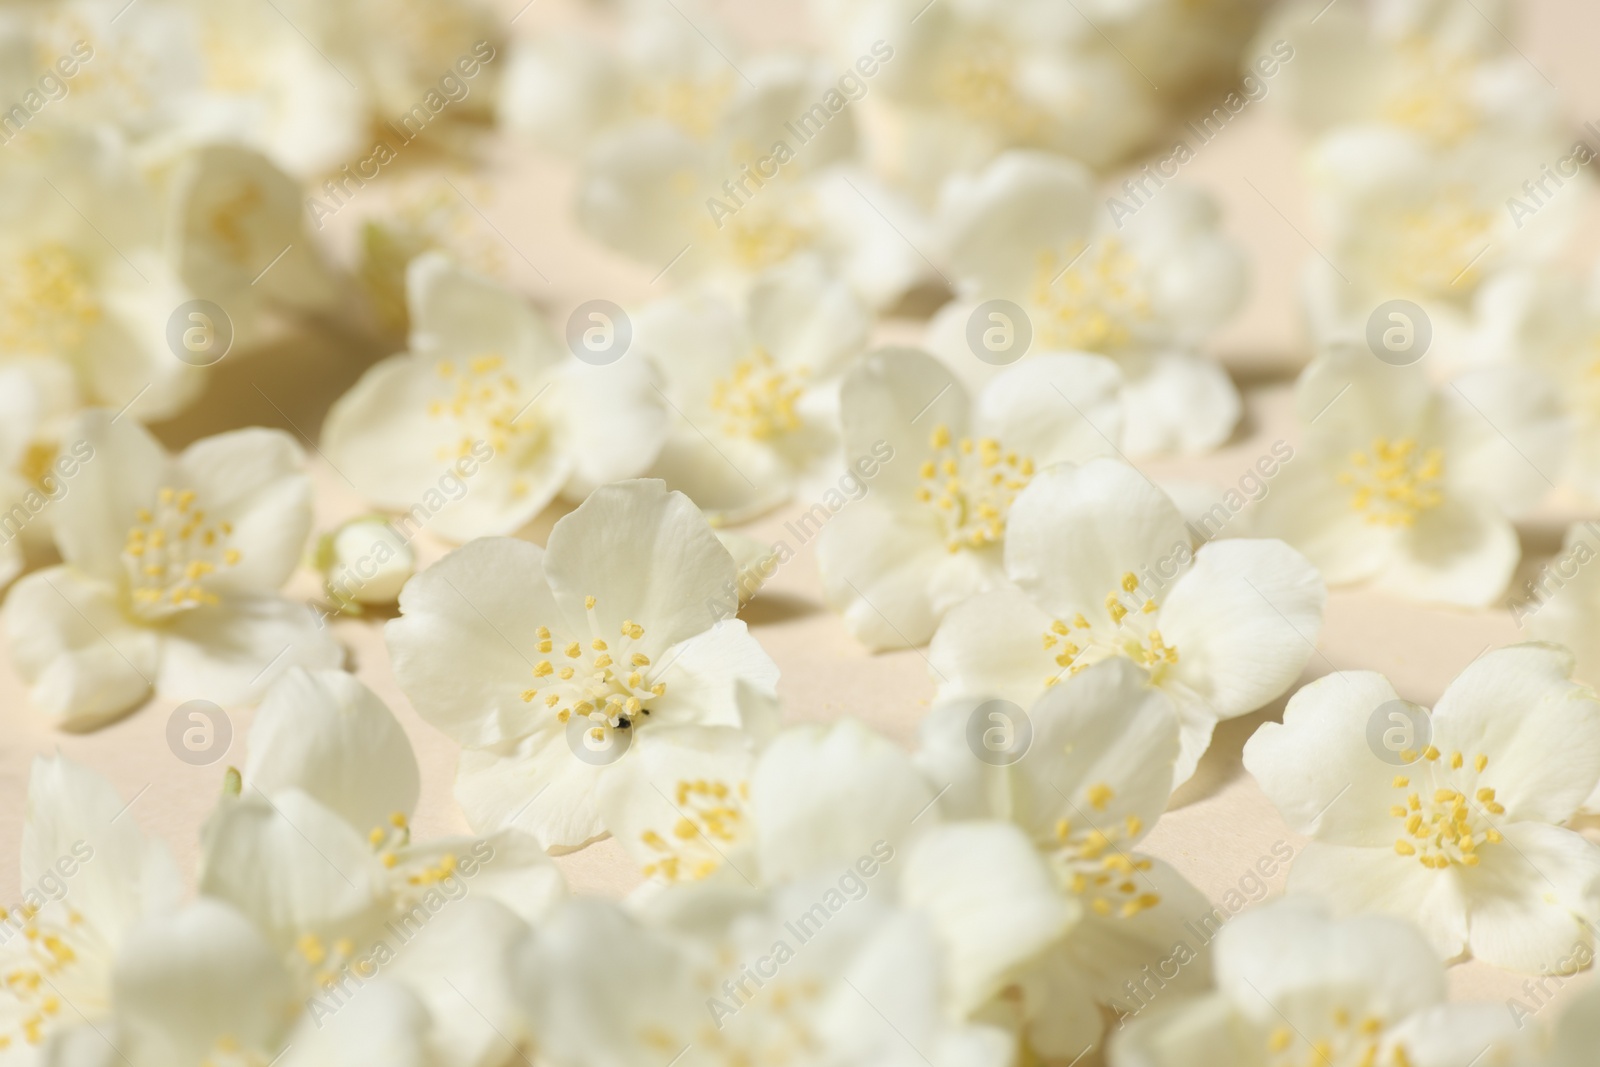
(758, 400)
(971, 485)
(1438, 248)
(1395, 481)
(1445, 829)
(1434, 98)
(1095, 867)
(1345, 1043)
(611, 690)
(979, 85)
(32, 972)
(487, 403)
(710, 817)
(1091, 298)
(171, 553)
(1129, 632)
(760, 236)
(693, 107)
(46, 302)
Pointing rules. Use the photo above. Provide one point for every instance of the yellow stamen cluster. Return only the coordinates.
(1445, 828)
(171, 551)
(1092, 298)
(47, 303)
(1436, 98)
(325, 962)
(1394, 482)
(1081, 643)
(759, 399)
(759, 238)
(611, 688)
(1347, 1040)
(1439, 248)
(971, 484)
(33, 974)
(387, 841)
(693, 107)
(488, 403)
(710, 817)
(979, 83)
(1093, 866)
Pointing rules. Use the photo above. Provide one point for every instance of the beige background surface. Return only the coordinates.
(1220, 824)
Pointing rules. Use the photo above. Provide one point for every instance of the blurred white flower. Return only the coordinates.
(173, 566)
(1294, 986)
(864, 990)
(756, 386)
(1576, 1034)
(930, 531)
(488, 418)
(614, 630)
(1549, 320)
(969, 81)
(1095, 778)
(1442, 69)
(1463, 835)
(1410, 487)
(1222, 630)
(768, 180)
(1406, 220)
(1146, 290)
(193, 987)
(318, 852)
(88, 877)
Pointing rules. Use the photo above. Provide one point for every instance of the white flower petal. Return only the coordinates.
(231, 652)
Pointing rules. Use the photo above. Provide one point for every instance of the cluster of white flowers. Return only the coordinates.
(807, 895)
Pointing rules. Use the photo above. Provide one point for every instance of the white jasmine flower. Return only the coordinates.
(1294, 986)
(1147, 289)
(699, 811)
(1549, 320)
(1095, 778)
(1466, 838)
(92, 295)
(1222, 630)
(172, 570)
(487, 418)
(195, 987)
(1437, 68)
(702, 803)
(1406, 219)
(930, 531)
(615, 626)
(1412, 487)
(365, 561)
(756, 386)
(319, 852)
(863, 986)
(968, 82)
(565, 89)
(769, 182)
(88, 876)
